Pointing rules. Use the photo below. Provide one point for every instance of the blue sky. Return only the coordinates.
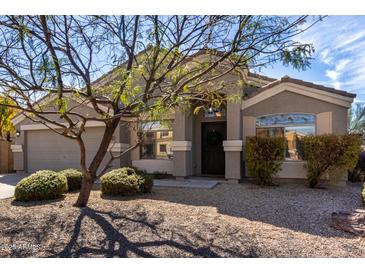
(339, 58)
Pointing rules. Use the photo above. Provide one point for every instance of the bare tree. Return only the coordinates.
(154, 63)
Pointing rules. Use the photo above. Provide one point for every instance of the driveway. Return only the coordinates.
(8, 183)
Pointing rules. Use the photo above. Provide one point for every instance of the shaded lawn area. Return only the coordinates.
(228, 221)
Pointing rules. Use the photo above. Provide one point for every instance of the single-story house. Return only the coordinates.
(208, 143)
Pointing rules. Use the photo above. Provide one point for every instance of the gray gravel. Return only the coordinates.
(228, 221)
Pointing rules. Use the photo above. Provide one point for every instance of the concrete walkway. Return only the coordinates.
(194, 182)
(8, 182)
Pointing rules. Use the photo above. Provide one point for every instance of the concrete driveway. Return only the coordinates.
(8, 183)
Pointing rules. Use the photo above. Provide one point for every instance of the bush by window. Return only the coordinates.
(264, 157)
(330, 155)
(157, 141)
(293, 127)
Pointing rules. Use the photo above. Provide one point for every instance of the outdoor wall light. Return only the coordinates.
(17, 134)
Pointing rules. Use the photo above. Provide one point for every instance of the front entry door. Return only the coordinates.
(213, 158)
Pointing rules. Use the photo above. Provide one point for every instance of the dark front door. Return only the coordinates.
(213, 135)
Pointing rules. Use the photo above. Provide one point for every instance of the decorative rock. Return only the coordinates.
(353, 222)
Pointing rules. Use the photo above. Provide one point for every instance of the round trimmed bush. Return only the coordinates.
(147, 185)
(125, 182)
(42, 185)
(74, 178)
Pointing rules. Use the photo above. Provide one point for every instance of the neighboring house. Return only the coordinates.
(209, 143)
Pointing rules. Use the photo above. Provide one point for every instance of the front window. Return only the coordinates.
(291, 126)
(157, 140)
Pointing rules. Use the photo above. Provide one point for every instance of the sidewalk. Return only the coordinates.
(8, 182)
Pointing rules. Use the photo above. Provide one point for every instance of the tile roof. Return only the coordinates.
(287, 79)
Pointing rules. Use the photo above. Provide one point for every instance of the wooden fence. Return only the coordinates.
(6, 157)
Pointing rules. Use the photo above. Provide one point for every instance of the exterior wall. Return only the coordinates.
(154, 165)
(330, 118)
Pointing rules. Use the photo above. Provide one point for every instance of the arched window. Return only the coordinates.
(292, 126)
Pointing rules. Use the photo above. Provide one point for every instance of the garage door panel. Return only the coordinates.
(48, 150)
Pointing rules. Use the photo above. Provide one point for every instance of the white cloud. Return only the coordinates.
(332, 74)
(339, 43)
(349, 39)
(341, 65)
(325, 56)
(358, 101)
(337, 85)
(335, 74)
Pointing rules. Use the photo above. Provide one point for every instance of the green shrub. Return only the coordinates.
(264, 157)
(125, 182)
(74, 178)
(147, 185)
(42, 185)
(358, 173)
(330, 154)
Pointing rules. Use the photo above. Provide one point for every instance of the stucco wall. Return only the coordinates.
(154, 165)
(287, 102)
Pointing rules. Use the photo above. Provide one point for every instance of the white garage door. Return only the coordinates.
(49, 150)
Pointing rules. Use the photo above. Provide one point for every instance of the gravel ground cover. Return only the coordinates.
(230, 220)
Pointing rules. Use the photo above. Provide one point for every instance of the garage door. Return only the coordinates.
(49, 150)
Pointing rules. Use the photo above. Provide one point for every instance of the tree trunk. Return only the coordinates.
(89, 175)
(86, 187)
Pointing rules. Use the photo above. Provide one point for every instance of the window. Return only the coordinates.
(291, 126)
(163, 148)
(157, 140)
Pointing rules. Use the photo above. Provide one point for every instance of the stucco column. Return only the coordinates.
(233, 145)
(248, 129)
(182, 143)
(19, 149)
(119, 144)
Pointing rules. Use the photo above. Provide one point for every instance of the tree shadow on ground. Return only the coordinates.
(116, 244)
(23, 236)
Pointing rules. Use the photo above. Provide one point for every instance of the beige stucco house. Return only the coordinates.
(208, 143)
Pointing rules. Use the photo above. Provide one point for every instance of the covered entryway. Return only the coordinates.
(213, 155)
(48, 150)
